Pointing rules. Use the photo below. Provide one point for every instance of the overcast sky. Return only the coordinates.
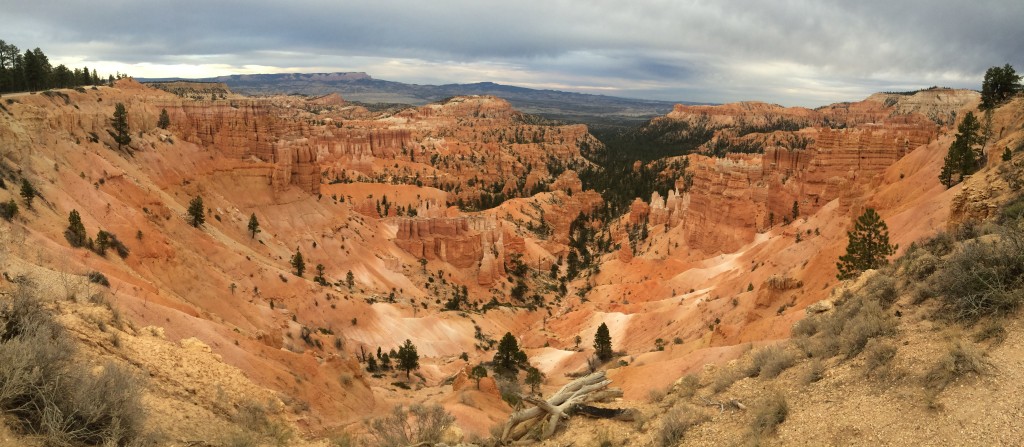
(795, 52)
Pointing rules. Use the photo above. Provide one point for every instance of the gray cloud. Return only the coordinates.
(802, 52)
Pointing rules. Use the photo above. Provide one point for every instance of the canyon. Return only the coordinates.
(466, 197)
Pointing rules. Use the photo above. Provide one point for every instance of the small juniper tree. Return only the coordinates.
(319, 278)
(408, 359)
(603, 343)
(796, 209)
(28, 192)
(120, 124)
(350, 279)
(75, 234)
(8, 210)
(869, 246)
(534, 378)
(478, 372)
(196, 212)
(298, 263)
(254, 226)
(164, 119)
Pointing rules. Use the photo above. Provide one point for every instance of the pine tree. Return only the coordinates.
(1000, 84)
(254, 225)
(603, 343)
(196, 212)
(350, 279)
(120, 124)
(408, 359)
(1007, 155)
(164, 119)
(962, 158)
(869, 246)
(75, 234)
(506, 359)
(28, 192)
(298, 263)
(796, 210)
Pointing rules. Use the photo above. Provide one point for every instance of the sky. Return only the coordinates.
(790, 52)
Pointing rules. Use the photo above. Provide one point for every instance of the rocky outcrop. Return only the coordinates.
(463, 242)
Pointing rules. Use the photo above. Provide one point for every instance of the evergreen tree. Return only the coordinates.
(507, 359)
(28, 192)
(408, 359)
(1007, 155)
(350, 279)
(603, 343)
(478, 372)
(534, 378)
(963, 159)
(298, 263)
(196, 212)
(120, 124)
(371, 364)
(868, 248)
(75, 234)
(1000, 84)
(164, 119)
(796, 209)
(254, 226)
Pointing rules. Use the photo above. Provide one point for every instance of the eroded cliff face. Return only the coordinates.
(734, 197)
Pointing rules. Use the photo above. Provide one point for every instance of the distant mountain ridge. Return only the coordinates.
(359, 86)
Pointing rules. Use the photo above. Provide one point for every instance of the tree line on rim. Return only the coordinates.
(32, 71)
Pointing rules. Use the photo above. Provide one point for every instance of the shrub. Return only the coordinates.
(984, 278)
(428, 425)
(724, 379)
(882, 288)
(769, 413)
(815, 371)
(960, 361)
(677, 422)
(994, 331)
(878, 357)
(50, 394)
(98, 278)
(769, 362)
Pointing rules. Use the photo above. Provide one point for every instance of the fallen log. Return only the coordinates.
(542, 420)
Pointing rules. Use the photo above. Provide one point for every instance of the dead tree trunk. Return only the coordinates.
(540, 421)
